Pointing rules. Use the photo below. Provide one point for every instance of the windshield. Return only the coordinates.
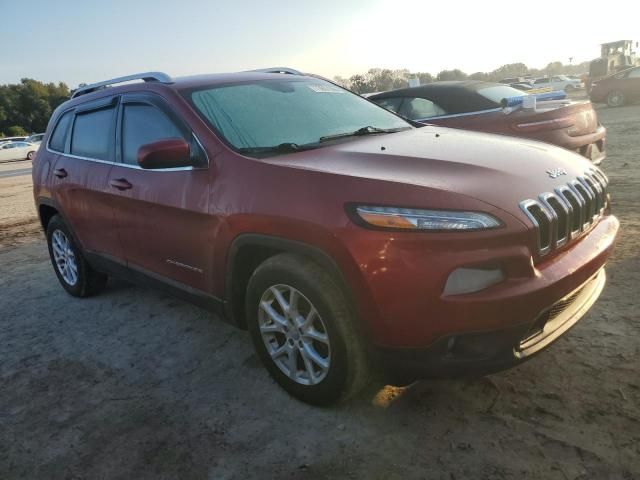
(296, 111)
(498, 92)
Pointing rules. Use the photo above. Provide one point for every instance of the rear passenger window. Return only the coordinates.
(92, 134)
(420, 108)
(142, 124)
(392, 104)
(59, 135)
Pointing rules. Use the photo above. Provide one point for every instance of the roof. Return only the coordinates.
(617, 42)
(195, 81)
(156, 81)
(455, 96)
(451, 85)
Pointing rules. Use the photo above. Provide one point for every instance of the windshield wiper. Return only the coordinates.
(368, 130)
(287, 147)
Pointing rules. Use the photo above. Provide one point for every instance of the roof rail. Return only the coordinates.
(285, 70)
(146, 76)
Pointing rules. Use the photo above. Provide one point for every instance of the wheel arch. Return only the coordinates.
(248, 251)
(46, 211)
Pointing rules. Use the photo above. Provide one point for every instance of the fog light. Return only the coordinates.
(468, 280)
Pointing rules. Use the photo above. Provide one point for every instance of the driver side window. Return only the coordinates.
(142, 124)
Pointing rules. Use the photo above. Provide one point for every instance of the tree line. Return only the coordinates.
(382, 79)
(25, 107)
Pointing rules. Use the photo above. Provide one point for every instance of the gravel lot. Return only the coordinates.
(133, 384)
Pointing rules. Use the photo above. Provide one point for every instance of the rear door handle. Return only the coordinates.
(120, 184)
(60, 172)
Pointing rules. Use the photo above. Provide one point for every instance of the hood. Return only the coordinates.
(495, 169)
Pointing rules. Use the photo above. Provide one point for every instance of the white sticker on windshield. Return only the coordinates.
(321, 88)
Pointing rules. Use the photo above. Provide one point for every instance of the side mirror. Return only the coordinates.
(170, 153)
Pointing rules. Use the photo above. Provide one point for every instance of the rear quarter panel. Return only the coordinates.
(585, 124)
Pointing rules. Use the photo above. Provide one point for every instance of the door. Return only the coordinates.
(163, 219)
(557, 83)
(83, 141)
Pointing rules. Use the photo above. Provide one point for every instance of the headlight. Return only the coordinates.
(418, 219)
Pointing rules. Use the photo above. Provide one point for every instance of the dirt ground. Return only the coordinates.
(133, 384)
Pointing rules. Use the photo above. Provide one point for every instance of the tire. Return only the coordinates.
(615, 98)
(74, 273)
(341, 346)
(30, 155)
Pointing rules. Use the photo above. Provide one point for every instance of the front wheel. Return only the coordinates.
(615, 98)
(31, 155)
(74, 273)
(304, 332)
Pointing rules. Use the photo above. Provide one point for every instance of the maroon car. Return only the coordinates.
(341, 236)
(476, 105)
(617, 90)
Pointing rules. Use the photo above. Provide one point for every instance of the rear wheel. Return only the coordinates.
(74, 273)
(615, 98)
(304, 332)
(30, 155)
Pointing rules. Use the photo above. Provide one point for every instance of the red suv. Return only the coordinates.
(339, 234)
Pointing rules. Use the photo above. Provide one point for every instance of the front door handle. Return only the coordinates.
(120, 184)
(60, 172)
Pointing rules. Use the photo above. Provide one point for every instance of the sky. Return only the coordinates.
(88, 41)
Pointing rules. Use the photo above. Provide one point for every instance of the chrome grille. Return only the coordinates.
(568, 211)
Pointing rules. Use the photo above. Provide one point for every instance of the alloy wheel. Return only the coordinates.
(64, 257)
(294, 334)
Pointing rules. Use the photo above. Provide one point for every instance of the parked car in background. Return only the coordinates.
(618, 89)
(523, 87)
(559, 82)
(338, 233)
(18, 151)
(476, 105)
(510, 80)
(12, 139)
(35, 138)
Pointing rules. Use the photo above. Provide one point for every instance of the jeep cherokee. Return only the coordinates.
(340, 235)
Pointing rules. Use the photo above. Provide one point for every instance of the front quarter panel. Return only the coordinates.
(309, 207)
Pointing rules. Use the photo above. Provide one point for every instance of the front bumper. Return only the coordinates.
(482, 353)
(405, 276)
